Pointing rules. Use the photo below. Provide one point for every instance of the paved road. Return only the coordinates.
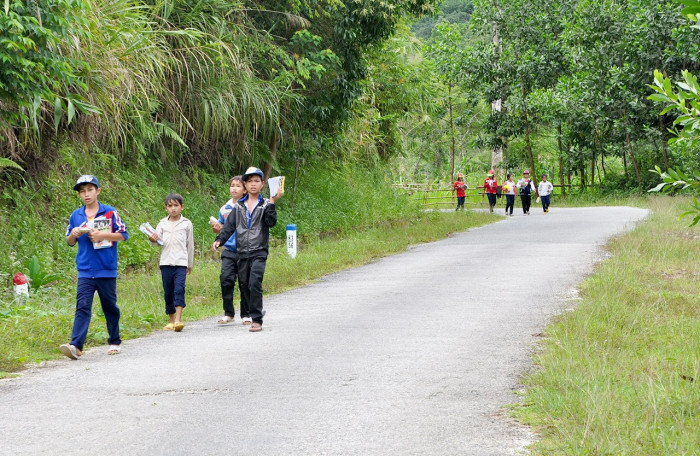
(416, 353)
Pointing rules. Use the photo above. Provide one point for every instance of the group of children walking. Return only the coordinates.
(242, 229)
(524, 187)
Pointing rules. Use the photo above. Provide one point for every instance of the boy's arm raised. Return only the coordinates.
(270, 215)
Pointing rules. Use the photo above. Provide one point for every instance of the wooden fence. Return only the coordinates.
(435, 195)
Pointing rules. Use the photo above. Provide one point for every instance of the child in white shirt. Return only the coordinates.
(545, 190)
(176, 258)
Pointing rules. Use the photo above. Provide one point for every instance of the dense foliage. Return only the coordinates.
(562, 86)
(214, 83)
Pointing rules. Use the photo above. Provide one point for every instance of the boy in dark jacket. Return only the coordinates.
(251, 220)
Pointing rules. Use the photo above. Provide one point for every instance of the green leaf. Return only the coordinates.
(57, 112)
(658, 97)
(657, 188)
(71, 111)
(7, 163)
(690, 10)
(7, 7)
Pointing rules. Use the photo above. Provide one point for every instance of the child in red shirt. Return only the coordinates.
(490, 187)
(460, 186)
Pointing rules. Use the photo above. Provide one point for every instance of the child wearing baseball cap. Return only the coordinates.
(460, 186)
(490, 188)
(250, 221)
(96, 228)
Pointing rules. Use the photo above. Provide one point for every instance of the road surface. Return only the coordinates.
(414, 354)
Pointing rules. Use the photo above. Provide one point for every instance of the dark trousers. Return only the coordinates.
(85, 293)
(173, 287)
(460, 201)
(492, 200)
(526, 200)
(229, 272)
(250, 279)
(545, 202)
(510, 202)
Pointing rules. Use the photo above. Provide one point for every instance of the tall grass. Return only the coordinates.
(619, 374)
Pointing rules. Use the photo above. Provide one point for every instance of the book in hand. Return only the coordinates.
(276, 185)
(148, 230)
(104, 225)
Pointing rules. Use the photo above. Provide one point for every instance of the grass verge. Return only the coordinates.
(31, 330)
(621, 373)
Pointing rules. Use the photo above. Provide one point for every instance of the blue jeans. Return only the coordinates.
(173, 287)
(460, 201)
(510, 203)
(85, 293)
(545, 202)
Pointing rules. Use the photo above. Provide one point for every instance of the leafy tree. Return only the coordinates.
(33, 69)
(686, 100)
(445, 49)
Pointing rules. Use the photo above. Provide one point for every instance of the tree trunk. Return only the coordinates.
(634, 159)
(561, 160)
(629, 148)
(420, 156)
(593, 170)
(664, 144)
(568, 168)
(496, 105)
(497, 151)
(533, 172)
(297, 162)
(452, 133)
(274, 145)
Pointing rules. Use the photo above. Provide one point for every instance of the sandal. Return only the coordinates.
(114, 349)
(247, 320)
(226, 320)
(178, 326)
(255, 327)
(70, 351)
(169, 327)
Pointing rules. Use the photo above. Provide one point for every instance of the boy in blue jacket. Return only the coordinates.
(96, 228)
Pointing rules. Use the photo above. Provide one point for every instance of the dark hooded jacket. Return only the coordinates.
(252, 228)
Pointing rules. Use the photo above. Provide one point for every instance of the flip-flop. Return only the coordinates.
(255, 327)
(179, 326)
(225, 320)
(114, 349)
(69, 350)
